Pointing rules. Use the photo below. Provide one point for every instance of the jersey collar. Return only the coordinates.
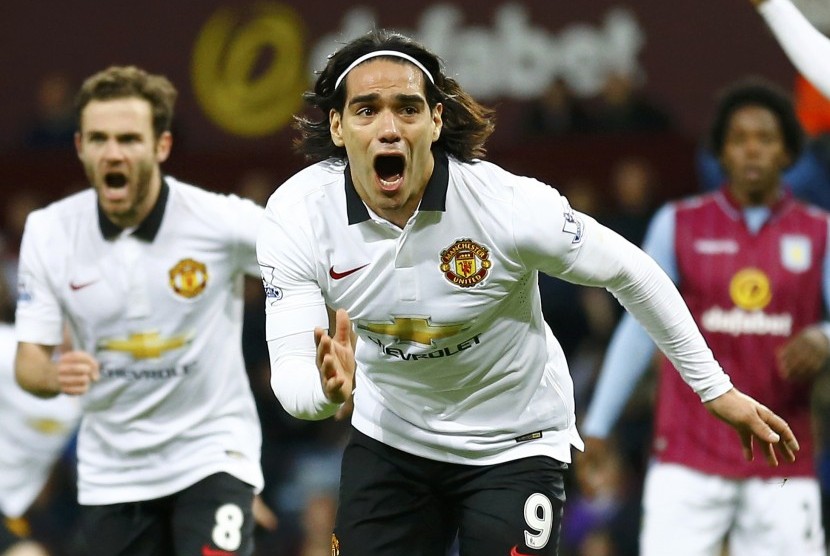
(435, 194)
(776, 207)
(148, 228)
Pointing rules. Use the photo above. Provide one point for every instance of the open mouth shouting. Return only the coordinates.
(115, 180)
(389, 169)
(115, 187)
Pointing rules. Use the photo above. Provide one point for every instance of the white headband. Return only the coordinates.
(377, 53)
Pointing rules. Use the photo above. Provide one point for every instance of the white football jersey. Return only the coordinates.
(34, 433)
(454, 359)
(160, 306)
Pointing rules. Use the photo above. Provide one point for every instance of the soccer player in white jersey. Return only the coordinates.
(147, 271)
(34, 435)
(463, 416)
(806, 47)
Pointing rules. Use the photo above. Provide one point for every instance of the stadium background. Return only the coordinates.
(240, 66)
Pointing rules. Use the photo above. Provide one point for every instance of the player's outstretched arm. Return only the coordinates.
(806, 47)
(755, 422)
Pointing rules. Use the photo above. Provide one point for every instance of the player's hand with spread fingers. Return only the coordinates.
(755, 422)
(77, 370)
(335, 359)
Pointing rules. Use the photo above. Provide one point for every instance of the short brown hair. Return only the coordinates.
(118, 82)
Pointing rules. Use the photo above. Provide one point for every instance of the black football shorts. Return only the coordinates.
(213, 517)
(396, 504)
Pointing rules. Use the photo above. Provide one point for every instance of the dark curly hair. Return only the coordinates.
(466, 123)
(118, 82)
(755, 91)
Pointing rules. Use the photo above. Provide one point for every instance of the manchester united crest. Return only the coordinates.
(188, 278)
(465, 263)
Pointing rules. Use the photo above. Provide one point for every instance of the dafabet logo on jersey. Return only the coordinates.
(188, 278)
(465, 263)
(751, 292)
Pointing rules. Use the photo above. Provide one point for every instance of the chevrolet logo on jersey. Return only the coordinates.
(413, 329)
(46, 426)
(144, 345)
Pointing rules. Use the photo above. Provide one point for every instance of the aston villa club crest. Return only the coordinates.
(465, 263)
(188, 278)
(796, 253)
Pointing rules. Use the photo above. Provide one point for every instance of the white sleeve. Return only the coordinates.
(294, 306)
(295, 379)
(38, 317)
(577, 248)
(630, 350)
(645, 290)
(807, 48)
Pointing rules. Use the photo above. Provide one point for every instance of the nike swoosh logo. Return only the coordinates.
(338, 275)
(75, 287)
(515, 552)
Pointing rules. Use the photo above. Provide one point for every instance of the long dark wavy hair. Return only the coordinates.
(466, 123)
